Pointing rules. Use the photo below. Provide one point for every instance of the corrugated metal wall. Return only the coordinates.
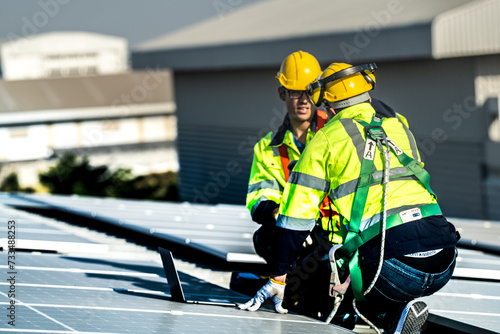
(457, 176)
(487, 85)
(214, 163)
(492, 181)
(221, 115)
(471, 29)
(435, 97)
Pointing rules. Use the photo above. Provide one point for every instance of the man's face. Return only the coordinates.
(298, 105)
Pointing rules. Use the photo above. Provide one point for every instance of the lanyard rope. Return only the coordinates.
(380, 137)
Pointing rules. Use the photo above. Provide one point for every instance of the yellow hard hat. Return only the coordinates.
(298, 70)
(340, 83)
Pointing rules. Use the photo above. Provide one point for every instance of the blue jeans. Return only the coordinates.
(401, 283)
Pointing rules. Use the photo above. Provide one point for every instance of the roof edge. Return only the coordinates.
(406, 42)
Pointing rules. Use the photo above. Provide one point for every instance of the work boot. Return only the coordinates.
(412, 318)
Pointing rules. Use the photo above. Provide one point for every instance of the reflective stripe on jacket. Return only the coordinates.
(331, 164)
(267, 176)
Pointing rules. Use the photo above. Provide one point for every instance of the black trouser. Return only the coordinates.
(308, 281)
(264, 243)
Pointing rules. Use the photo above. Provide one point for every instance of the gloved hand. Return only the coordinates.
(273, 289)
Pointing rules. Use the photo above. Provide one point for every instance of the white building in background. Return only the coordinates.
(73, 91)
(63, 54)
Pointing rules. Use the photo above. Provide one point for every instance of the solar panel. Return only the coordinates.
(40, 234)
(224, 231)
(61, 294)
(472, 297)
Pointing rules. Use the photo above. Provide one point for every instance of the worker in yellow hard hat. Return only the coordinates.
(274, 152)
(273, 155)
(397, 245)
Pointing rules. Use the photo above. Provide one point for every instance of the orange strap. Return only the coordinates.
(324, 208)
(321, 119)
(285, 160)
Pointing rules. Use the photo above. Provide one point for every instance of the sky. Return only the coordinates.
(135, 20)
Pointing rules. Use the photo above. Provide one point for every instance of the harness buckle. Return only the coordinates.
(375, 132)
(337, 289)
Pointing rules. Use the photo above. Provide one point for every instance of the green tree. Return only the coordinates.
(11, 184)
(157, 186)
(73, 174)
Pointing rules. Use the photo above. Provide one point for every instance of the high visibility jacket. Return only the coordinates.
(331, 164)
(342, 162)
(268, 174)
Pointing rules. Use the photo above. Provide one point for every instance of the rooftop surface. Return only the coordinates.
(69, 278)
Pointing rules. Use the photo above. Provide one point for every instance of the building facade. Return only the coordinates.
(75, 92)
(438, 65)
(63, 54)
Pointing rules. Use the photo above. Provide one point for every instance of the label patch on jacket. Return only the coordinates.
(395, 147)
(410, 215)
(369, 153)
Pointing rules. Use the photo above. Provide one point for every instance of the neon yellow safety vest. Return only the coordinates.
(268, 175)
(331, 164)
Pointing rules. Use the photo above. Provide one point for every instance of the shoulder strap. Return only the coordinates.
(285, 160)
(322, 116)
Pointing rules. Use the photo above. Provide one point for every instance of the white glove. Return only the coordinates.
(273, 289)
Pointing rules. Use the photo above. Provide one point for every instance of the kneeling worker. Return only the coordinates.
(396, 241)
(276, 150)
(270, 173)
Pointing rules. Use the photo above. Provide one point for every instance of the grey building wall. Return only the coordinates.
(492, 181)
(438, 98)
(222, 115)
(438, 63)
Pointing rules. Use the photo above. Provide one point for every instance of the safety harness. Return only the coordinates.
(356, 234)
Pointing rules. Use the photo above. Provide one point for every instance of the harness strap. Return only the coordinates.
(354, 238)
(321, 119)
(285, 160)
(359, 239)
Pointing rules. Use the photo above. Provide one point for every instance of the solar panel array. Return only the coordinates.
(471, 298)
(64, 294)
(99, 293)
(224, 231)
(40, 234)
(468, 300)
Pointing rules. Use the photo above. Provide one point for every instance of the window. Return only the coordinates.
(18, 132)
